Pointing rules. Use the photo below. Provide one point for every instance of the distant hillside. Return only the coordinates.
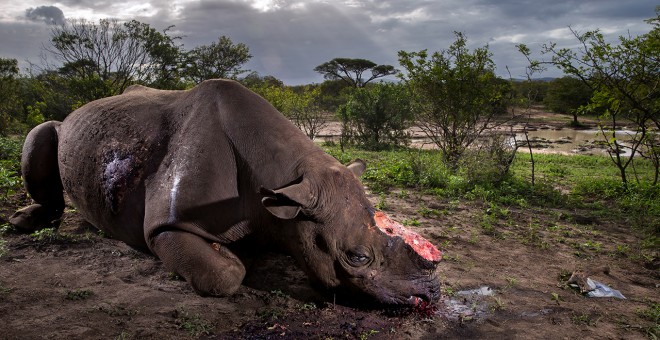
(536, 79)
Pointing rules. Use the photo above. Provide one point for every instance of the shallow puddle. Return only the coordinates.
(466, 304)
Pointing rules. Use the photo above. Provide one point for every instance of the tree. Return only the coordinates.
(625, 80)
(255, 81)
(54, 95)
(301, 106)
(118, 54)
(567, 95)
(351, 70)
(221, 59)
(334, 93)
(165, 69)
(8, 68)
(456, 94)
(377, 116)
(523, 88)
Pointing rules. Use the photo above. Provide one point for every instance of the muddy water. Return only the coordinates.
(557, 141)
(569, 141)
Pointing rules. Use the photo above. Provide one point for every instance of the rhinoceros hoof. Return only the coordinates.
(34, 217)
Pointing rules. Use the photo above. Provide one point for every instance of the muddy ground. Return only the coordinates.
(82, 285)
(79, 284)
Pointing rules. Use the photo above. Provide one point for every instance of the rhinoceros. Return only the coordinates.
(186, 174)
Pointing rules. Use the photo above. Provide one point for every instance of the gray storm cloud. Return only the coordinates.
(292, 37)
(48, 14)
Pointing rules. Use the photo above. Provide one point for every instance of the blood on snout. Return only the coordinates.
(422, 246)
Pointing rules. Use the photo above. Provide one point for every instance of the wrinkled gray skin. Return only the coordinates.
(184, 173)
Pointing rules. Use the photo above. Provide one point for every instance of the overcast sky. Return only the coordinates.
(288, 38)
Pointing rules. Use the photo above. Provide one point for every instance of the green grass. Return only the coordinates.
(78, 294)
(594, 183)
(401, 168)
(652, 314)
(425, 170)
(194, 324)
(584, 182)
(49, 236)
(584, 170)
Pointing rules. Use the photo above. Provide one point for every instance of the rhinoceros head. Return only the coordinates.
(346, 245)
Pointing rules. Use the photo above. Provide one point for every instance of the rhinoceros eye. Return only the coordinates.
(359, 257)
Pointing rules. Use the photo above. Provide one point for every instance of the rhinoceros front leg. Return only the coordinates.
(210, 268)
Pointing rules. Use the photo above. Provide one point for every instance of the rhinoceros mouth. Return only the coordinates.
(427, 291)
(415, 300)
(410, 301)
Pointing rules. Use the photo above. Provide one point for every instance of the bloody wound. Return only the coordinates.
(421, 245)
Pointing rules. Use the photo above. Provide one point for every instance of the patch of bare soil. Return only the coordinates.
(81, 285)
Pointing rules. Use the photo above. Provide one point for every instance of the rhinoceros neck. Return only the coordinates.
(267, 144)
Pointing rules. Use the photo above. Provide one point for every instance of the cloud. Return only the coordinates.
(288, 38)
(48, 14)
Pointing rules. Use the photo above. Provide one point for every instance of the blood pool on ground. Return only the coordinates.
(421, 245)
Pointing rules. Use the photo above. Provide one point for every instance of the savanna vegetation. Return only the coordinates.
(452, 96)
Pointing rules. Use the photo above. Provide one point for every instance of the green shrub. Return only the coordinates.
(10, 165)
(376, 117)
(489, 161)
(10, 150)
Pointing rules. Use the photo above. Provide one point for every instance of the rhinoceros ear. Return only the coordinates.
(288, 201)
(357, 167)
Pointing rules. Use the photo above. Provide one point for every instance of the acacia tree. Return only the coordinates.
(457, 95)
(221, 59)
(625, 80)
(116, 53)
(351, 70)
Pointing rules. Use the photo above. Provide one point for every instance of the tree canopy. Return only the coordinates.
(567, 95)
(351, 70)
(221, 59)
(8, 90)
(116, 53)
(457, 94)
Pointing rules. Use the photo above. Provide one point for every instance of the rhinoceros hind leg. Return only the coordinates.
(42, 179)
(35, 217)
(211, 269)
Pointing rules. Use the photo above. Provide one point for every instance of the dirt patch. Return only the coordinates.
(83, 285)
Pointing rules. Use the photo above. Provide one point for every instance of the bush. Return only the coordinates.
(10, 165)
(376, 117)
(10, 150)
(489, 161)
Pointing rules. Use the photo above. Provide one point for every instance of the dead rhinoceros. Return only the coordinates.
(185, 173)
